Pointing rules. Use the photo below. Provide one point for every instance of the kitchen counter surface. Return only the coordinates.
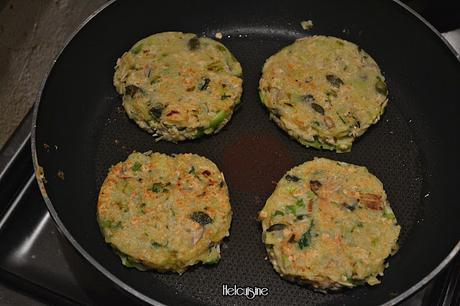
(31, 35)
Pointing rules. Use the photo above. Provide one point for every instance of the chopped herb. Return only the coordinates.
(136, 48)
(388, 213)
(291, 208)
(155, 245)
(201, 218)
(221, 48)
(285, 260)
(316, 143)
(158, 187)
(292, 178)
(204, 84)
(193, 43)
(334, 80)
(276, 227)
(215, 66)
(192, 171)
(111, 224)
(218, 119)
(137, 166)
(305, 239)
(298, 208)
(317, 108)
(278, 213)
(199, 132)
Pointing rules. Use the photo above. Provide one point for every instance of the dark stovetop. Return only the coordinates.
(38, 267)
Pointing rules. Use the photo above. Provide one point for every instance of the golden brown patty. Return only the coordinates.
(178, 86)
(323, 91)
(165, 212)
(329, 224)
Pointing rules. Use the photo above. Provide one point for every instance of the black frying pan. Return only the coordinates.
(412, 149)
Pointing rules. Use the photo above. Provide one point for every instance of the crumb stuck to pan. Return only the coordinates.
(40, 174)
(218, 35)
(60, 174)
(306, 24)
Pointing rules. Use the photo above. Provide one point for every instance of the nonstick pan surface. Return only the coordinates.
(81, 130)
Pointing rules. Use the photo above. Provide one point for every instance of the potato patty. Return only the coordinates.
(165, 212)
(323, 91)
(178, 86)
(329, 224)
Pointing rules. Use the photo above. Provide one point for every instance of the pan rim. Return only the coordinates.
(117, 281)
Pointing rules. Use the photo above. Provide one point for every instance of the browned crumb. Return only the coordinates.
(46, 147)
(60, 174)
(218, 35)
(41, 174)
